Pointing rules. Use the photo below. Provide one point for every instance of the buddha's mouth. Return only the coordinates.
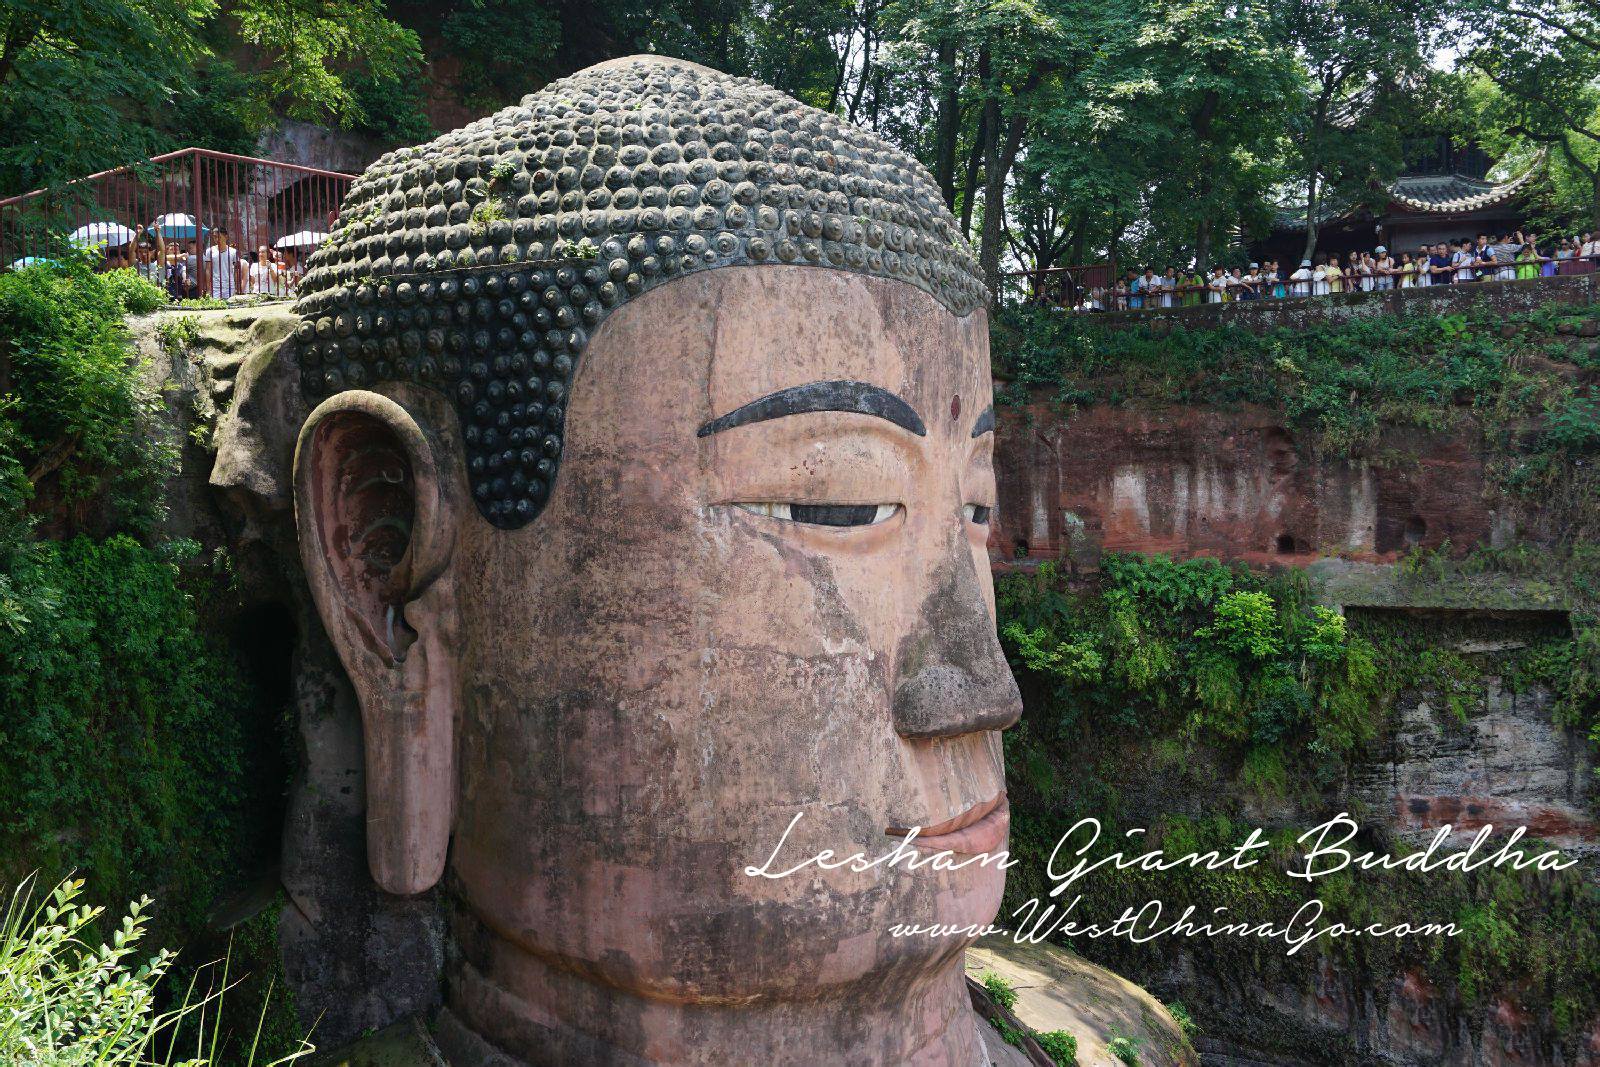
(980, 829)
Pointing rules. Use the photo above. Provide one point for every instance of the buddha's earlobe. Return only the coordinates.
(377, 527)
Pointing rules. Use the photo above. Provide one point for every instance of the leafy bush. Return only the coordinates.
(1341, 383)
(1237, 656)
(131, 745)
(1003, 993)
(1574, 426)
(120, 724)
(1060, 1046)
(77, 414)
(1124, 1048)
(1185, 1021)
(68, 1004)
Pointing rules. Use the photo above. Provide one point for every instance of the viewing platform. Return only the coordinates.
(1300, 312)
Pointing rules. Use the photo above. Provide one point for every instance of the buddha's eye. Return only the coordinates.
(826, 514)
(978, 513)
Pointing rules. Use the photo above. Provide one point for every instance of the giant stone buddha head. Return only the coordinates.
(645, 504)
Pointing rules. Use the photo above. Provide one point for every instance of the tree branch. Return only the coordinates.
(1591, 43)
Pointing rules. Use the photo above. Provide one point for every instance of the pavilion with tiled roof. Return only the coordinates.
(1419, 209)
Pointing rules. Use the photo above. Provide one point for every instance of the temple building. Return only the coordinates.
(1445, 195)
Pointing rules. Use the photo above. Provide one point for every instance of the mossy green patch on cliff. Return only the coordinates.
(135, 748)
(1522, 373)
(1195, 701)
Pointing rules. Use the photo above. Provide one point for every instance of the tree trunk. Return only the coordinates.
(947, 123)
(994, 196)
(1313, 203)
(1201, 125)
(970, 188)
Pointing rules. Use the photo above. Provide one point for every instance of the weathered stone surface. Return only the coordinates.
(1406, 1024)
(1229, 483)
(1508, 764)
(356, 958)
(1058, 990)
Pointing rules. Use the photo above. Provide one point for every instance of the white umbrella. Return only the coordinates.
(302, 239)
(175, 225)
(96, 234)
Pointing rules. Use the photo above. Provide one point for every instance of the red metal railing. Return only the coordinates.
(164, 217)
(1067, 286)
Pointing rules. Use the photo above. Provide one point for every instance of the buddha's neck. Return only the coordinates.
(539, 1014)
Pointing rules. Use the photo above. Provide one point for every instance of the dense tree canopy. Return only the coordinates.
(1537, 71)
(1060, 131)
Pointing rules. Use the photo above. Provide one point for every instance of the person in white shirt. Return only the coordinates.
(1364, 272)
(1300, 280)
(262, 277)
(1424, 272)
(1319, 281)
(1462, 262)
(1252, 283)
(1152, 289)
(1217, 286)
(150, 257)
(221, 271)
(1169, 286)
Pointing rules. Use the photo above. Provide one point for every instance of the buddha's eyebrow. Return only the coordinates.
(985, 423)
(857, 397)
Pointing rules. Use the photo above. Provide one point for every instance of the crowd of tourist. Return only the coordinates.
(1493, 257)
(219, 271)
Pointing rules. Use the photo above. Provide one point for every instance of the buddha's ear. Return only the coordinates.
(377, 526)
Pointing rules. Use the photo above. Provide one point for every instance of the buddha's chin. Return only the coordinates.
(844, 943)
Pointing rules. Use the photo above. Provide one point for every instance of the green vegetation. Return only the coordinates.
(1057, 132)
(77, 424)
(1343, 383)
(1210, 653)
(583, 249)
(1186, 698)
(133, 746)
(1185, 1021)
(69, 1003)
(1124, 1048)
(1000, 990)
(1060, 1046)
(103, 83)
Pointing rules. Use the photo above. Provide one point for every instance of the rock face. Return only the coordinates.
(1510, 764)
(1236, 484)
(357, 959)
(1057, 990)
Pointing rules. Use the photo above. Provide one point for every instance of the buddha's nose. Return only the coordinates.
(952, 674)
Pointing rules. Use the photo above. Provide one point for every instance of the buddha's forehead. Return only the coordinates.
(780, 327)
(481, 263)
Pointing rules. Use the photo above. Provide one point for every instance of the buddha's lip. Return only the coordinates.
(981, 828)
